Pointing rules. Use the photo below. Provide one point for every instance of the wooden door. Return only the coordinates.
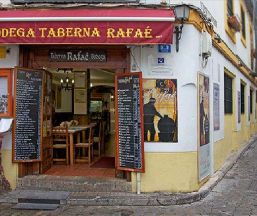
(47, 154)
(34, 155)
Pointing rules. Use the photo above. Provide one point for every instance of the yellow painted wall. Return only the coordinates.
(241, 136)
(253, 126)
(233, 139)
(10, 169)
(169, 172)
(244, 133)
(223, 147)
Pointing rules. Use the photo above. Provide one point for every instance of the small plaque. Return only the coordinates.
(164, 48)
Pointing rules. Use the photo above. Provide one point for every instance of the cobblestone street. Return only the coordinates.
(235, 194)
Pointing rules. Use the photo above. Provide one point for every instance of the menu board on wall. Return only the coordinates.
(27, 107)
(129, 122)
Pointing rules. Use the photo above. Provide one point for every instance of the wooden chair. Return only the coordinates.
(60, 143)
(98, 138)
(87, 145)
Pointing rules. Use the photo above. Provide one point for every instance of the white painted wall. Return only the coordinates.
(5, 2)
(216, 8)
(12, 58)
(183, 66)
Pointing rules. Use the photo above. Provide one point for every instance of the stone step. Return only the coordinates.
(96, 198)
(111, 199)
(35, 206)
(130, 199)
(35, 196)
(73, 184)
(42, 197)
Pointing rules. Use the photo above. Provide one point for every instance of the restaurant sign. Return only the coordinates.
(85, 32)
(62, 55)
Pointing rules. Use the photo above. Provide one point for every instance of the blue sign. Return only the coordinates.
(160, 60)
(164, 48)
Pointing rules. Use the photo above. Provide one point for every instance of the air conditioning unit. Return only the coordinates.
(206, 44)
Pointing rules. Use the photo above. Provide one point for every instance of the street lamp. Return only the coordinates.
(182, 14)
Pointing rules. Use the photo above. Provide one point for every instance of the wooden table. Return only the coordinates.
(76, 130)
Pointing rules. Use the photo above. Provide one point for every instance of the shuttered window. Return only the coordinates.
(242, 89)
(251, 101)
(228, 94)
(243, 22)
(230, 7)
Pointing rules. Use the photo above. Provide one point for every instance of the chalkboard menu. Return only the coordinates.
(28, 100)
(129, 122)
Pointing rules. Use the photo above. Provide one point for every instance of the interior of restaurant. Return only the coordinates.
(83, 104)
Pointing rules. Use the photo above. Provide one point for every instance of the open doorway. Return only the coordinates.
(93, 70)
(81, 98)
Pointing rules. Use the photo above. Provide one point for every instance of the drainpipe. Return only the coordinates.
(138, 177)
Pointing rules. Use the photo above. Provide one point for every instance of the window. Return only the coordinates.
(230, 7)
(5, 93)
(229, 13)
(242, 89)
(243, 22)
(251, 101)
(228, 94)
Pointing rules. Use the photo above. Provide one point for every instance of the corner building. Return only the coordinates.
(197, 63)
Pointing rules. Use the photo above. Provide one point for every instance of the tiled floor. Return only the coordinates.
(81, 169)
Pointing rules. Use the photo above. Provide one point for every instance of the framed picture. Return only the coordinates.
(80, 79)
(80, 101)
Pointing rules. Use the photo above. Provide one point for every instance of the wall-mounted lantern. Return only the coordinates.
(182, 14)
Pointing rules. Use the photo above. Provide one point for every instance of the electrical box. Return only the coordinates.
(206, 44)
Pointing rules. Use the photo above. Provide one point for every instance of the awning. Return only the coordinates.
(87, 26)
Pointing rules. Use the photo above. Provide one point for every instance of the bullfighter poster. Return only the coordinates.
(160, 110)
